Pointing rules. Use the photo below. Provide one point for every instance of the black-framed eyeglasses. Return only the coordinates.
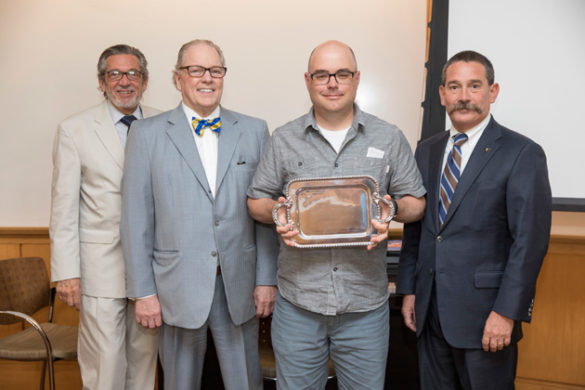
(342, 76)
(217, 72)
(132, 74)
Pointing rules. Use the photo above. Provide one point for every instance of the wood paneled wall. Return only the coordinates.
(552, 353)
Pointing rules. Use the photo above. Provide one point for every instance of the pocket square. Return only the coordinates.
(375, 153)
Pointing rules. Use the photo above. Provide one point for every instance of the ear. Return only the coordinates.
(357, 77)
(307, 79)
(177, 80)
(494, 91)
(442, 95)
(102, 84)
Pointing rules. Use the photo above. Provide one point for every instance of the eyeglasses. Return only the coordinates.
(132, 74)
(217, 72)
(342, 76)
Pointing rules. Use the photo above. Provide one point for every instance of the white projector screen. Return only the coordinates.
(537, 49)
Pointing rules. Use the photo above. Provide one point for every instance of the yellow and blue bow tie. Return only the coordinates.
(200, 124)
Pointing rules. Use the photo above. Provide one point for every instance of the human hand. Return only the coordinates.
(69, 291)
(264, 297)
(147, 312)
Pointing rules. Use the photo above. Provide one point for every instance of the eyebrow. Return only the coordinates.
(326, 71)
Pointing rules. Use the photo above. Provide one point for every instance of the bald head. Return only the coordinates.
(332, 49)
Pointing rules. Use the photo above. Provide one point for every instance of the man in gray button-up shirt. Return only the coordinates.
(332, 302)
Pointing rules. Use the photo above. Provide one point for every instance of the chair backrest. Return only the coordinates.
(24, 286)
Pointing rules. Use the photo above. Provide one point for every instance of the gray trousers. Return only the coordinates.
(303, 341)
(182, 351)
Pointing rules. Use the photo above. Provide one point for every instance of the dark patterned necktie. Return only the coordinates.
(127, 120)
(451, 176)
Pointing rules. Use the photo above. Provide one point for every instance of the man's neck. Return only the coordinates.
(334, 120)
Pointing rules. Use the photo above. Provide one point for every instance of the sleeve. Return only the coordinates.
(266, 244)
(406, 178)
(268, 180)
(529, 211)
(137, 221)
(405, 282)
(65, 193)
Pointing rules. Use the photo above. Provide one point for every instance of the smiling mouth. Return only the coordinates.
(205, 90)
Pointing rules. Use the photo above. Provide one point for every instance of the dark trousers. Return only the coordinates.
(443, 367)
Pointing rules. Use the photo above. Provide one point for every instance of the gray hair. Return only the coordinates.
(470, 56)
(121, 49)
(183, 50)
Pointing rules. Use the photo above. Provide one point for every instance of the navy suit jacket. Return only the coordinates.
(489, 251)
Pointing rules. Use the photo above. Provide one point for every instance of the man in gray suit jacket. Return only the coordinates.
(469, 268)
(114, 352)
(195, 258)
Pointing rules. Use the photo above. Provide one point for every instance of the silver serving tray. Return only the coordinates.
(332, 211)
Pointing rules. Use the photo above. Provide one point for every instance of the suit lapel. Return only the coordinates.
(485, 149)
(106, 132)
(228, 139)
(180, 133)
(437, 151)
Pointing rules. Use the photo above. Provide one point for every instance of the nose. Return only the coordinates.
(207, 75)
(334, 83)
(464, 94)
(124, 80)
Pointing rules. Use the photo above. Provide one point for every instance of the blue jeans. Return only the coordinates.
(303, 341)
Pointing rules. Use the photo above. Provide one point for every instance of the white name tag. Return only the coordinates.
(375, 153)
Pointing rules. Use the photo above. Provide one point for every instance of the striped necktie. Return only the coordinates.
(200, 124)
(451, 176)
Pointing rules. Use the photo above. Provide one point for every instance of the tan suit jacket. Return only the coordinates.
(88, 161)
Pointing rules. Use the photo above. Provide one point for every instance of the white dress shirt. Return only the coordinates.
(473, 135)
(207, 145)
(121, 128)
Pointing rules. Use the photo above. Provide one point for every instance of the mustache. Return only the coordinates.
(465, 106)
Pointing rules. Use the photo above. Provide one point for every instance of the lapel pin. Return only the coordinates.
(487, 149)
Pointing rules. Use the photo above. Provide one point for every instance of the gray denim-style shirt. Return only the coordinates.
(334, 281)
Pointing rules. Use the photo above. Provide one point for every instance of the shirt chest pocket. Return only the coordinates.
(304, 168)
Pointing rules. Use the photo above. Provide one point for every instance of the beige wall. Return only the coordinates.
(50, 48)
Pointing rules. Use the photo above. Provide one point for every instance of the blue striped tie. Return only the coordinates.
(450, 177)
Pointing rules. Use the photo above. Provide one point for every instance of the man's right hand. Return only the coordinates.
(69, 291)
(285, 231)
(408, 311)
(147, 312)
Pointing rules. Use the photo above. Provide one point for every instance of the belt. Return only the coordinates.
(218, 270)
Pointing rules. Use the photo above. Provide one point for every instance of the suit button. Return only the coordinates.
(217, 222)
(440, 238)
(430, 271)
(334, 269)
(213, 253)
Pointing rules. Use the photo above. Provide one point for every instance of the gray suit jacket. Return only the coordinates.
(488, 253)
(173, 230)
(88, 159)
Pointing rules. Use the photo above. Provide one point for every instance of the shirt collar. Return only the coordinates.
(358, 119)
(190, 113)
(117, 115)
(474, 131)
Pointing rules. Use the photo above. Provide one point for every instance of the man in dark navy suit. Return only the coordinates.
(468, 270)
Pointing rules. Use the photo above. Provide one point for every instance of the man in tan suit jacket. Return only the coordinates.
(114, 351)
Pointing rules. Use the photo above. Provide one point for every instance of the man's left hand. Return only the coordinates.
(381, 228)
(497, 333)
(264, 297)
